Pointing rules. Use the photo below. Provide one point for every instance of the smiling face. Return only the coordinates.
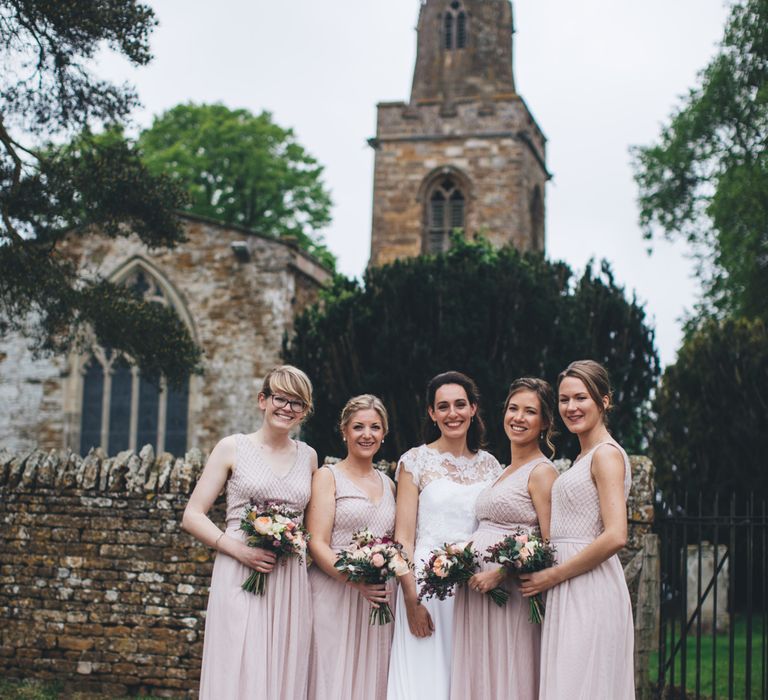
(452, 411)
(280, 417)
(523, 422)
(363, 433)
(577, 408)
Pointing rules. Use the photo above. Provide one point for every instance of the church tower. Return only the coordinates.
(464, 152)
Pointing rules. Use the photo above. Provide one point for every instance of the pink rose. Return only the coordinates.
(263, 524)
(378, 560)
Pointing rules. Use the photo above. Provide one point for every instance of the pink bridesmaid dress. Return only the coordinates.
(258, 646)
(496, 650)
(587, 638)
(349, 659)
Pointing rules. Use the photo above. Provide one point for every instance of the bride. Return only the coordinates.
(438, 483)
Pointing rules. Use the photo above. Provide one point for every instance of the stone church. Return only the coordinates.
(464, 153)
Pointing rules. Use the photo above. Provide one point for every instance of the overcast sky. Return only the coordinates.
(598, 75)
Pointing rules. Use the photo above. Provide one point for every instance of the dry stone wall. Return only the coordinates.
(99, 587)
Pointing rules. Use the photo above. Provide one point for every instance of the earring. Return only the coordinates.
(382, 441)
(434, 422)
(344, 439)
(541, 435)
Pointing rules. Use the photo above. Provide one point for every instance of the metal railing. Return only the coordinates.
(712, 624)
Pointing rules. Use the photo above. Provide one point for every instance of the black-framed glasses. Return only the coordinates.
(296, 405)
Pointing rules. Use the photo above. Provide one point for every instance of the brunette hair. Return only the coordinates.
(290, 380)
(595, 378)
(361, 403)
(476, 432)
(546, 396)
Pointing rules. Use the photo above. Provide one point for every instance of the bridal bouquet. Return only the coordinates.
(275, 527)
(450, 566)
(524, 553)
(372, 559)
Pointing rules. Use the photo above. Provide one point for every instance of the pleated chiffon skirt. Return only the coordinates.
(349, 659)
(495, 649)
(256, 646)
(587, 641)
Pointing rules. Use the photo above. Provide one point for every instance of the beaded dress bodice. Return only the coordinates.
(355, 511)
(253, 481)
(507, 502)
(575, 501)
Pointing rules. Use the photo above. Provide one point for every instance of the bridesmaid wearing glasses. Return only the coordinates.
(257, 646)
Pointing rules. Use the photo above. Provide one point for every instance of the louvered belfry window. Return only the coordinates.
(455, 27)
(445, 214)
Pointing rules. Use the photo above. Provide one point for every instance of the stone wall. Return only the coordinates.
(99, 587)
(237, 308)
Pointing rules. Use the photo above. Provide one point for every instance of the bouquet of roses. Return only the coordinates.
(275, 527)
(449, 566)
(372, 559)
(525, 553)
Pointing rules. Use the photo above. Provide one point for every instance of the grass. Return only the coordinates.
(37, 690)
(721, 646)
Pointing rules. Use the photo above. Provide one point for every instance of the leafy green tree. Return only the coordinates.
(706, 179)
(91, 184)
(495, 315)
(242, 169)
(711, 412)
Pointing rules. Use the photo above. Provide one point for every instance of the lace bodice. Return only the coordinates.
(355, 511)
(448, 488)
(575, 502)
(253, 480)
(508, 503)
(426, 464)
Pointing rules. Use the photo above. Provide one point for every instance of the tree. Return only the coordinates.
(242, 169)
(496, 315)
(50, 192)
(710, 429)
(706, 180)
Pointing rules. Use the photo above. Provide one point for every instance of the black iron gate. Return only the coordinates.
(712, 631)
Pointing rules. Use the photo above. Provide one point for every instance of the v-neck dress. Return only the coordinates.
(587, 640)
(496, 650)
(257, 646)
(350, 657)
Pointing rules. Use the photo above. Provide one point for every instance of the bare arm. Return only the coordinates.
(540, 489)
(608, 473)
(196, 521)
(419, 619)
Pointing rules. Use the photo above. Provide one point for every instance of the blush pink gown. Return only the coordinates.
(349, 659)
(496, 650)
(258, 646)
(587, 639)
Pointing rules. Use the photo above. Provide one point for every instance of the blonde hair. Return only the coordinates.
(287, 379)
(361, 403)
(595, 378)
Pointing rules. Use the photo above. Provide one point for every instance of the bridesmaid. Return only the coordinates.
(350, 657)
(496, 650)
(587, 636)
(438, 484)
(257, 646)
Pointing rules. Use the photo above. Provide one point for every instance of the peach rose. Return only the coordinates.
(263, 525)
(378, 560)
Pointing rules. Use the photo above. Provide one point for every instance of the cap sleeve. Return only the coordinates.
(409, 463)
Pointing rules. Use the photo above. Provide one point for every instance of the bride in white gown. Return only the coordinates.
(438, 484)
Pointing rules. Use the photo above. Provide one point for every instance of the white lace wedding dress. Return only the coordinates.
(448, 488)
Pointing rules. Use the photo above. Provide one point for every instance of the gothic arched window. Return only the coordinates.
(455, 26)
(445, 213)
(123, 410)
